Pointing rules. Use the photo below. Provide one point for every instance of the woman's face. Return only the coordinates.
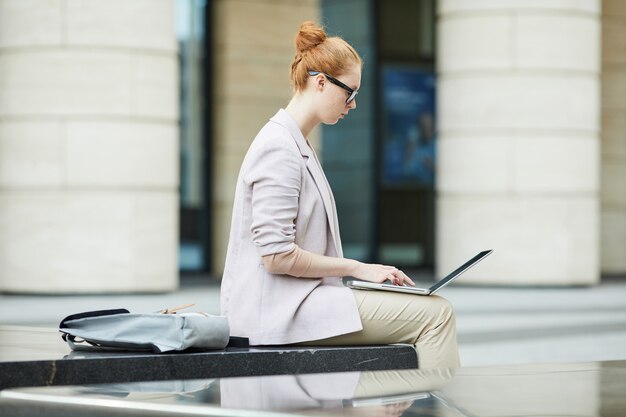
(332, 105)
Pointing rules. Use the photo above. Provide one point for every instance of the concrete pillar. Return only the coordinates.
(613, 179)
(88, 146)
(253, 49)
(518, 151)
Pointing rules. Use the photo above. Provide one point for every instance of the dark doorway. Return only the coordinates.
(406, 132)
(194, 43)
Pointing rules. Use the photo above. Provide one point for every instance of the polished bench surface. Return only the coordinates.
(576, 389)
(39, 357)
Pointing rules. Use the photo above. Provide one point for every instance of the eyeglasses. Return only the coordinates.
(352, 93)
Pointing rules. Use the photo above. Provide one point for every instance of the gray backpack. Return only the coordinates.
(156, 332)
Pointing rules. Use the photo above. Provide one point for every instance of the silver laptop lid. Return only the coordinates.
(467, 265)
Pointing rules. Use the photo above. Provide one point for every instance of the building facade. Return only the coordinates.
(480, 124)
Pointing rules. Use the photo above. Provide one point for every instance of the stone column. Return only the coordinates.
(88, 146)
(518, 151)
(254, 47)
(613, 180)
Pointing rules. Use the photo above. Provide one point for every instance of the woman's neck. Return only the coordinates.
(302, 111)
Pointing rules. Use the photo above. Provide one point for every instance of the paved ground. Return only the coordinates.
(495, 325)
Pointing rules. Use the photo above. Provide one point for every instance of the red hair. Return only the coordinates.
(317, 52)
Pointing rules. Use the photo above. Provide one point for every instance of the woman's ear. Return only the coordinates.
(320, 81)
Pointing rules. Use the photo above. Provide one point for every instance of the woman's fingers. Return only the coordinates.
(382, 273)
(400, 278)
(407, 279)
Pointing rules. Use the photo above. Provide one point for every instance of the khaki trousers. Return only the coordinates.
(426, 322)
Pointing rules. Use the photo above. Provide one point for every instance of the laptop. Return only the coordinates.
(386, 399)
(435, 400)
(366, 285)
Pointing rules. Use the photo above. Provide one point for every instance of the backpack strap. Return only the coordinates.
(97, 313)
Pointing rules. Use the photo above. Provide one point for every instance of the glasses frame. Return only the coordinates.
(338, 83)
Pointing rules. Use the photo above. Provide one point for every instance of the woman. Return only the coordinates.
(282, 280)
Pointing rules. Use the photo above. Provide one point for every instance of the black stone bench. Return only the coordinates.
(38, 357)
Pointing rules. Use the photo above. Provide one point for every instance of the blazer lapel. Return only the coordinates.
(314, 168)
(324, 189)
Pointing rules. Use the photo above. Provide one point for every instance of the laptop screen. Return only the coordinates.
(467, 265)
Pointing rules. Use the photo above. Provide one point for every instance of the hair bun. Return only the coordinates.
(309, 36)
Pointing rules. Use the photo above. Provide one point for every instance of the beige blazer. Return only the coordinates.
(282, 197)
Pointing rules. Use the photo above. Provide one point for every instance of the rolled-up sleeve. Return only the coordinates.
(275, 178)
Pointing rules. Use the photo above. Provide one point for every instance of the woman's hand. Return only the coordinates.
(381, 273)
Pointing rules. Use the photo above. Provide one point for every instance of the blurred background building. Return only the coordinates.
(481, 124)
